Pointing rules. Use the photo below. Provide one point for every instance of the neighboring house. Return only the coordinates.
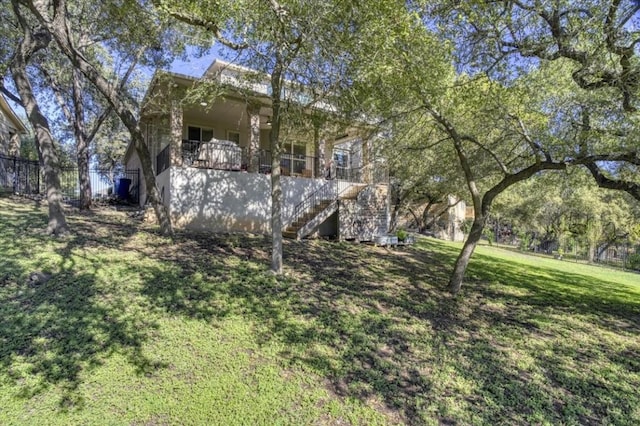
(445, 220)
(212, 161)
(11, 128)
(16, 175)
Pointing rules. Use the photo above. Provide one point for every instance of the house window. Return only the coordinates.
(201, 134)
(294, 158)
(341, 158)
(342, 164)
(233, 136)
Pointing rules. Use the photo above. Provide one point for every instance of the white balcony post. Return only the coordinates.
(176, 133)
(253, 112)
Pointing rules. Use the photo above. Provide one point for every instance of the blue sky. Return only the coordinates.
(195, 65)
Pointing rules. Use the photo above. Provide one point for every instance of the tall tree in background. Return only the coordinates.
(126, 27)
(83, 109)
(553, 207)
(599, 43)
(497, 133)
(33, 40)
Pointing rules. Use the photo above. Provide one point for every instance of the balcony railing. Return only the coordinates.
(220, 154)
(290, 164)
(227, 155)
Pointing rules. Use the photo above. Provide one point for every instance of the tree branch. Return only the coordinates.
(603, 181)
(211, 26)
(10, 95)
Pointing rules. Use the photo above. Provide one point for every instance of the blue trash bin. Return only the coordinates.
(122, 188)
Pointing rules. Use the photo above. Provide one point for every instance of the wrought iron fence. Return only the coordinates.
(622, 254)
(22, 176)
(19, 175)
(105, 184)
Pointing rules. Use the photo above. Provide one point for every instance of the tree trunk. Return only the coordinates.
(395, 212)
(57, 27)
(44, 141)
(153, 194)
(455, 281)
(82, 144)
(416, 220)
(592, 252)
(276, 186)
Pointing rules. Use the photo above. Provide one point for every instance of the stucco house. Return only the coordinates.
(11, 128)
(212, 160)
(16, 175)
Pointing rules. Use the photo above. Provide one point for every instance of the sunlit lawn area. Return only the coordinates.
(127, 327)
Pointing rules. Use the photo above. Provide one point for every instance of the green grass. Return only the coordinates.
(133, 328)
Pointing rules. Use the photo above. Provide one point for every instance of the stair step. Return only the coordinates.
(292, 230)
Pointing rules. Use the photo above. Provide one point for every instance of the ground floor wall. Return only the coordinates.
(224, 201)
(163, 181)
(133, 163)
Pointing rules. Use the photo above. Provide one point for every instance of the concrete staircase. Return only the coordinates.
(309, 222)
(320, 211)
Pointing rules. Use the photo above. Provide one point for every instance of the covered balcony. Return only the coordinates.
(227, 155)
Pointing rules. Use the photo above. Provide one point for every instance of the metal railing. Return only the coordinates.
(370, 173)
(163, 160)
(327, 192)
(290, 164)
(216, 154)
(19, 175)
(227, 155)
(103, 184)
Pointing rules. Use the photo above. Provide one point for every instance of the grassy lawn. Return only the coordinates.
(126, 327)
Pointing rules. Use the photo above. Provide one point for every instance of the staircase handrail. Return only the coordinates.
(327, 192)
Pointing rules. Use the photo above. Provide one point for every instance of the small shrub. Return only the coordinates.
(401, 234)
(634, 262)
(489, 234)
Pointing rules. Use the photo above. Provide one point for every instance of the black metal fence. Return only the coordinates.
(22, 176)
(622, 254)
(105, 184)
(19, 175)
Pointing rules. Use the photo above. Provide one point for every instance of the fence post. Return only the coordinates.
(138, 186)
(626, 254)
(15, 176)
(27, 188)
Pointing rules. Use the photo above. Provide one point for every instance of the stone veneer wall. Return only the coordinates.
(366, 216)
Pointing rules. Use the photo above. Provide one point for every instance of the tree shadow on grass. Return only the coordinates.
(59, 324)
(378, 324)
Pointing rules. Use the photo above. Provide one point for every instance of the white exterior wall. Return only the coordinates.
(163, 181)
(4, 134)
(222, 201)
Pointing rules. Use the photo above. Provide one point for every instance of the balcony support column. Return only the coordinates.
(253, 151)
(318, 152)
(176, 115)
